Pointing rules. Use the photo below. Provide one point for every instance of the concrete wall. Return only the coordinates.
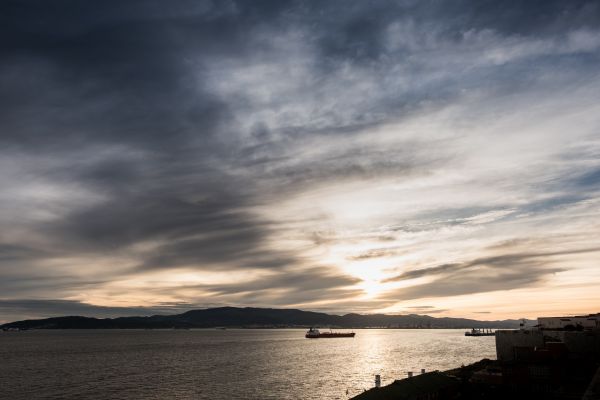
(506, 341)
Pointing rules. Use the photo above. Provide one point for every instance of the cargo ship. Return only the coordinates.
(314, 333)
(480, 332)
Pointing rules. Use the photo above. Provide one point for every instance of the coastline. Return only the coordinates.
(558, 359)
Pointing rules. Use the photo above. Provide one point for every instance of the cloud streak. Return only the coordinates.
(503, 272)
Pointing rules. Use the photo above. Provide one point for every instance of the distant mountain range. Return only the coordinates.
(257, 318)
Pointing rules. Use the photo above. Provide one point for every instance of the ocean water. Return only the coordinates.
(221, 364)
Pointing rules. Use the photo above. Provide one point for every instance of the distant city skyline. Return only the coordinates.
(437, 158)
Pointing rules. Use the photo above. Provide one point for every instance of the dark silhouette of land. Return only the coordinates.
(257, 318)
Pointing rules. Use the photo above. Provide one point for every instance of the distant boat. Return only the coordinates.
(314, 333)
(480, 332)
(13, 329)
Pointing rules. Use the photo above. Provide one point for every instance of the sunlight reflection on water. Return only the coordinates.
(215, 364)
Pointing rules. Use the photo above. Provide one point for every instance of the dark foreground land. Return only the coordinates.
(483, 380)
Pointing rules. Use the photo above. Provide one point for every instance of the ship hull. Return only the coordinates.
(329, 335)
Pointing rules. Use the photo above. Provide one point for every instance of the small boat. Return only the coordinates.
(480, 332)
(314, 333)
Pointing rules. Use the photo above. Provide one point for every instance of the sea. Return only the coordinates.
(222, 364)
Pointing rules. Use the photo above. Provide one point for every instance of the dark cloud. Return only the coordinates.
(536, 17)
(503, 272)
(417, 273)
(16, 252)
(288, 286)
(220, 250)
(358, 32)
(505, 261)
(477, 282)
(434, 311)
(311, 279)
(118, 73)
(141, 119)
(129, 219)
(45, 282)
(589, 179)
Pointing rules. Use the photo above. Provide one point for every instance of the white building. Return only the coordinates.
(588, 322)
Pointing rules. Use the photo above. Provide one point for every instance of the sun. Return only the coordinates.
(371, 288)
(371, 274)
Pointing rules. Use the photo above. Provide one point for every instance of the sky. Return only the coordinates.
(428, 157)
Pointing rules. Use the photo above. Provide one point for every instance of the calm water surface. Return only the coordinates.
(215, 364)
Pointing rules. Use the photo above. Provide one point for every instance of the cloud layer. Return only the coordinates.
(325, 155)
